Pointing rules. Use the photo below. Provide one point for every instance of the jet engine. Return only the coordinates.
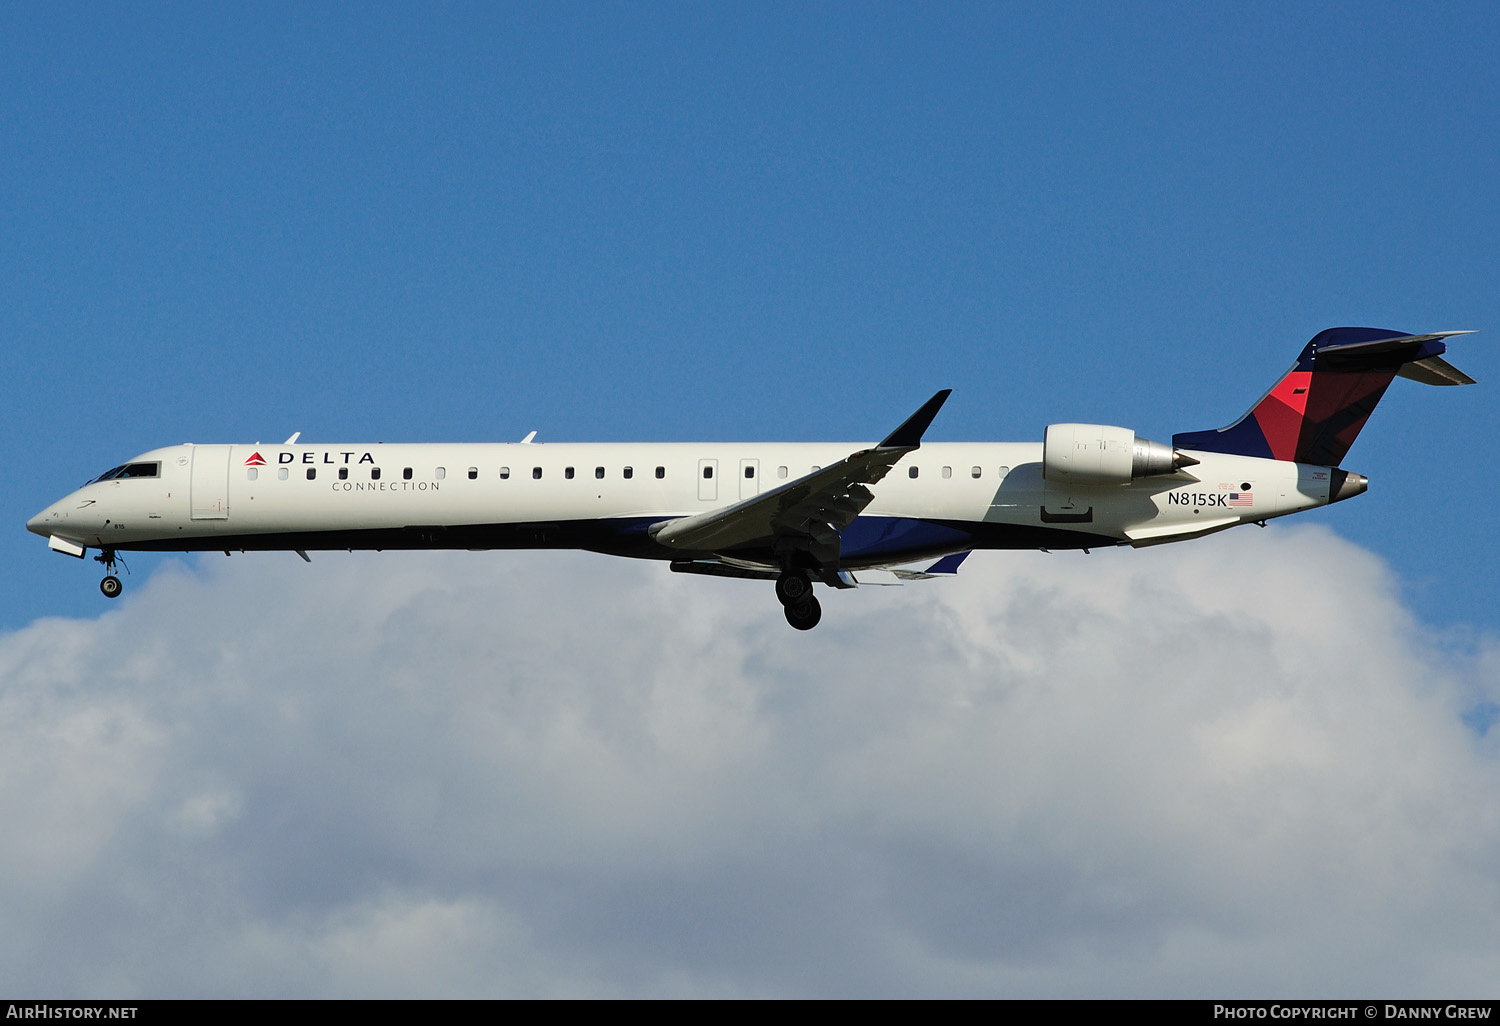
(1097, 454)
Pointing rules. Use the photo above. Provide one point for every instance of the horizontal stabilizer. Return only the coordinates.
(1375, 346)
(1434, 371)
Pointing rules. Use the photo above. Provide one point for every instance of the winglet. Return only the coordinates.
(948, 564)
(909, 434)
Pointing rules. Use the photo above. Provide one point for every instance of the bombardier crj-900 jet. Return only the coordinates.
(844, 514)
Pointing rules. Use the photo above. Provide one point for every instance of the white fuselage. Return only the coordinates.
(943, 497)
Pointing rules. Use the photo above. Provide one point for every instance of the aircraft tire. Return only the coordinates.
(805, 616)
(793, 588)
(111, 586)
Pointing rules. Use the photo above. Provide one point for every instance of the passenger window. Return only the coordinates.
(281, 473)
(505, 473)
(749, 471)
(947, 473)
(312, 472)
(252, 473)
(975, 472)
(661, 472)
(629, 473)
(568, 473)
(816, 469)
(1003, 472)
(911, 472)
(473, 473)
(599, 473)
(536, 473)
(440, 473)
(781, 472)
(708, 472)
(406, 473)
(374, 473)
(343, 473)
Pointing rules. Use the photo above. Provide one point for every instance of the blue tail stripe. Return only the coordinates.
(1242, 438)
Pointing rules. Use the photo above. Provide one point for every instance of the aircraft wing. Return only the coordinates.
(892, 575)
(808, 507)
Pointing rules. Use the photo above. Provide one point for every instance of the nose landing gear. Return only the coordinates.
(110, 586)
(794, 591)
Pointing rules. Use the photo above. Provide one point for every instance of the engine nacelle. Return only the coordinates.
(1097, 454)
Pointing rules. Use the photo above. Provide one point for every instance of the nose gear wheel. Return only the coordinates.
(110, 586)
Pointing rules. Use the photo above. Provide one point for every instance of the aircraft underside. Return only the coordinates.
(867, 542)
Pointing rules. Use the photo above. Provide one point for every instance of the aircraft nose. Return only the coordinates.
(47, 521)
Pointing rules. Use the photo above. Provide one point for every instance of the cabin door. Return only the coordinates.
(210, 491)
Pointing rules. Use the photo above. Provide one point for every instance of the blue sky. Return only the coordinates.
(669, 222)
(677, 222)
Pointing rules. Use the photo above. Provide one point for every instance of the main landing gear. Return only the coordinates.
(794, 591)
(111, 585)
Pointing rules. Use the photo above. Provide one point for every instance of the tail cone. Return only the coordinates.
(1344, 485)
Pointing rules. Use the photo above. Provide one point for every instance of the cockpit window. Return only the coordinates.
(129, 470)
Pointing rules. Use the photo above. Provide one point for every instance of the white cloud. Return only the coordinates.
(1234, 767)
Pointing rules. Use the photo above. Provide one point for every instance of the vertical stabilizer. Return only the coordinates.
(1314, 413)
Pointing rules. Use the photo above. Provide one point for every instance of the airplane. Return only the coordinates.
(794, 513)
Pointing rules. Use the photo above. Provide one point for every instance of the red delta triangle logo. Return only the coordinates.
(255, 460)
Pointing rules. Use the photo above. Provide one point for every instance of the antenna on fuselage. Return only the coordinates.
(528, 438)
(295, 435)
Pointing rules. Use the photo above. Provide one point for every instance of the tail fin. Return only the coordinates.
(1314, 413)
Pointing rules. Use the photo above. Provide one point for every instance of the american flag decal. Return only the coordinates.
(1242, 498)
